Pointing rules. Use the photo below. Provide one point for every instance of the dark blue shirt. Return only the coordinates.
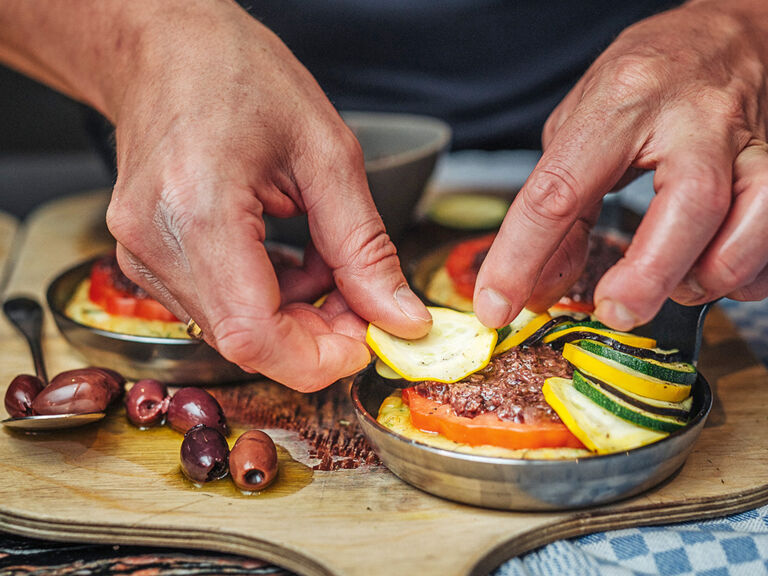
(494, 69)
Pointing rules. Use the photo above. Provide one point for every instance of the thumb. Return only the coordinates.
(349, 235)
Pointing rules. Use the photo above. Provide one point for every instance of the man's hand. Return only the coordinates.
(684, 93)
(216, 125)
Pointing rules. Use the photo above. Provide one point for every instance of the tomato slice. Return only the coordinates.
(486, 429)
(464, 261)
(111, 290)
(568, 304)
(101, 282)
(151, 309)
(120, 304)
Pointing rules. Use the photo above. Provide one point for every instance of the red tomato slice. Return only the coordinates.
(151, 309)
(463, 263)
(486, 429)
(111, 290)
(120, 304)
(566, 303)
(101, 283)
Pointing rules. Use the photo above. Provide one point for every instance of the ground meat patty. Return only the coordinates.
(510, 386)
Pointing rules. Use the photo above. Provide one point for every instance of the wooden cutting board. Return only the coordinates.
(335, 510)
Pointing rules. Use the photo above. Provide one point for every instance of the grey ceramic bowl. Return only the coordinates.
(172, 360)
(400, 154)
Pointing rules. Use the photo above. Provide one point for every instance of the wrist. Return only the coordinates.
(93, 50)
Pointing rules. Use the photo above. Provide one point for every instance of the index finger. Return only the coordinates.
(349, 234)
(240, 299)
(579, 167)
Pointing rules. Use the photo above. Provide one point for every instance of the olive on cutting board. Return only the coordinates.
(253, 461)
(191, 406)
(146, 403)
(204, 454)
(21, 393)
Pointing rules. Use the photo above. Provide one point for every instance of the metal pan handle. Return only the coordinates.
(678, 326)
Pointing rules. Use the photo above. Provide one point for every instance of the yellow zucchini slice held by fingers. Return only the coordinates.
(457, 345)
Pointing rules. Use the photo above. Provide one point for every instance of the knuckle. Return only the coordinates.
(368, 246)
(239, 343)
(728, 273)
(729, 105)
(702, 197)
(655, 281)
(553, 195)
(121, 221)
(177, 210)
(337, 146)
(633, 79)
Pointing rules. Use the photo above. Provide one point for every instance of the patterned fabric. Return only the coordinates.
(737, 545)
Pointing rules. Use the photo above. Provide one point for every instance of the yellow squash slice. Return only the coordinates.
(598, 429)
(521, 328)
(458, 345)
(624, 377)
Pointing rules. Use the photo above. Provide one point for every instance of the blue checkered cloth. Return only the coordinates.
(731, 546)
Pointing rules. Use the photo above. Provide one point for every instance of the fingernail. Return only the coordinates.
(495, 307)
(410, 305)
(615, 315)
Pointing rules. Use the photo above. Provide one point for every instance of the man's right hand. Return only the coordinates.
(217, 125)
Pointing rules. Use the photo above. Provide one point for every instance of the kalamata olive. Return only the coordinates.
(146, 403)
(253, 461)
(192, 406)
(204, 453)
(74, 394)
(21, 392)
(112, 379)
(117, 383)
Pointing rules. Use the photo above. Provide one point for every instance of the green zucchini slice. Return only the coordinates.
(621, 406)
(679, 372)
(469, 211)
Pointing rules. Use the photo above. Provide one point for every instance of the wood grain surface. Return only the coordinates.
(335, 510)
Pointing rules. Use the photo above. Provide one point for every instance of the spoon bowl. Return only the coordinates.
(26, 315)
(52, 422)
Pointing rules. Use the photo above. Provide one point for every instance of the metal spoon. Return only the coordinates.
(27, 315)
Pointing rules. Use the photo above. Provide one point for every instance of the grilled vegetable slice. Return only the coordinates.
(650, 353)
(457, 346)
(623, 377)
(464, 261)
(469, 211)
(601, 329)
(385, 371)
(521, 328)
(679, 410)
(545, 329)
(618, 405)
(679, 372)
(597, 428)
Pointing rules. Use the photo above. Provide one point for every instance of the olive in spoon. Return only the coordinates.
(26, 315)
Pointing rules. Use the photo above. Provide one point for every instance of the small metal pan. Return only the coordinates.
(172, 360)
(518, 484)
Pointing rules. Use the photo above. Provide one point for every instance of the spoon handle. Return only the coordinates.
(27, 315)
